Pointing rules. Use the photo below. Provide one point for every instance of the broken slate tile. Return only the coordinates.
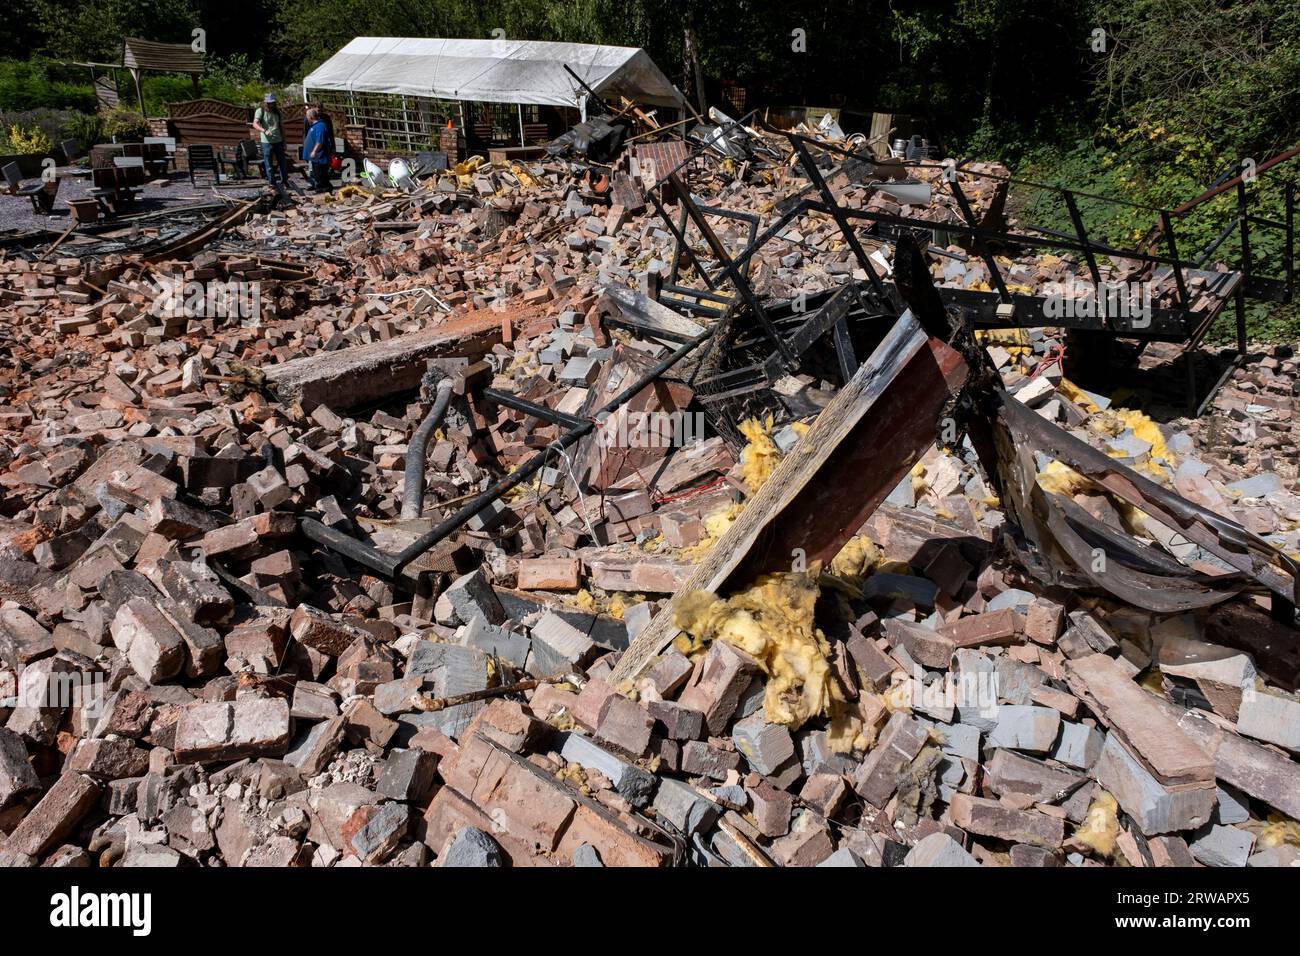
(1019, 727)
(634, 784)
(938, 849)
(1222, 846)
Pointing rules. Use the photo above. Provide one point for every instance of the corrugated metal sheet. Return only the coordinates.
(165, 57)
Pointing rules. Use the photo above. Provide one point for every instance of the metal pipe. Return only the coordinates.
(837, 213)
(1234, 181)
(1244, 219)
(440, 531)
(498, 397)
(416, 453)
(738, 279)
(1289, 193)
(350, 547)
(390, 565)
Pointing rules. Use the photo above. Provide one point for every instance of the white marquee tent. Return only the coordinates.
(493, 71)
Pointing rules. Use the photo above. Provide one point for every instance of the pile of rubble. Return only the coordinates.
(188, 678)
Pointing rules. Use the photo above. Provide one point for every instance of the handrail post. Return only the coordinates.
(1082, 235)
(1244, 219)
(981, 246)
(837, 213)
(1289, 193)
(1168, 227)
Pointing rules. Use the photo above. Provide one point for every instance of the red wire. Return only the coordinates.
(690, 493)
(1054, 357)
(655, 495)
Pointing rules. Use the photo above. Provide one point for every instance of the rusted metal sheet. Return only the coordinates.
(1054, 529)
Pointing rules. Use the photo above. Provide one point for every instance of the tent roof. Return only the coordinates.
(493, 71)
(168, 57)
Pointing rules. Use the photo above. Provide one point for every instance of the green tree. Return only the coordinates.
(94, 29)
(1225, 70)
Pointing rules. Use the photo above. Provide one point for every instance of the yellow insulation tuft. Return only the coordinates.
(1100, 829)
(1115, 421)
(1077, 395)
(772, 621)
(856, 560)
(715, 526)
(1278, 830)
(760, 456)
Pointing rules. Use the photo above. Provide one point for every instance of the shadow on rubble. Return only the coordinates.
(1152, 376)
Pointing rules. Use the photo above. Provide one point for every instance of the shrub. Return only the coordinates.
(32, 85)
(30, 140)
(125, 124)
(50, 122)
(159, 90)
(1157, 166)
(86, 128)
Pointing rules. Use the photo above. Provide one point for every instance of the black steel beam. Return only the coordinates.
(391, 565)
(508, 400)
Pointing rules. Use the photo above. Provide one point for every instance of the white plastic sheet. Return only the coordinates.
(493, 71)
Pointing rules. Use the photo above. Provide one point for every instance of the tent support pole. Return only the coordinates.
(520, 107)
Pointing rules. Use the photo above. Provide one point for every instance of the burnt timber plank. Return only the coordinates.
(859, 448)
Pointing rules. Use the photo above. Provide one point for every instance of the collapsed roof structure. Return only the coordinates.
(379, 566)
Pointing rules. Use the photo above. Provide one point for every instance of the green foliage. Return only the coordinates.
(159, 89)
(240, 87)
(36, 84)
(1148, 169)
(49, 122)
(86, 128)
(25, 140)
(1226, 70)
(124, 124)
(94, 29)
(234, 71)
(238, 80)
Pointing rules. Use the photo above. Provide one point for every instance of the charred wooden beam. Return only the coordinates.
(859, 448)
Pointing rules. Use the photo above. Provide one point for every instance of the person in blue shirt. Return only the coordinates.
(317, 148)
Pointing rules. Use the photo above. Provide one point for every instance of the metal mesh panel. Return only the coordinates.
(393, 123)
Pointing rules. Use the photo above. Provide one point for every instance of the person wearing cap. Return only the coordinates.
(269, 123)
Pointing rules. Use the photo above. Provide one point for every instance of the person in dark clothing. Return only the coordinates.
(317, 148)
